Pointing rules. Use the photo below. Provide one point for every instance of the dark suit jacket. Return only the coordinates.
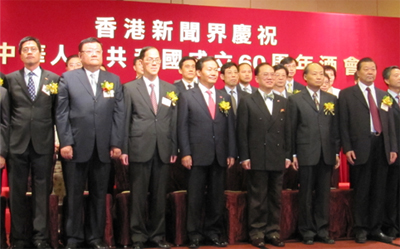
(396, 115)
(260, 135)
(239, 92)
(298, 86)
(4, 121)
(180, 86)
(313, 132)
(199, 135)
(84, 119)
(31, 120)
(143, 129)
(355, 127)
(253, 89)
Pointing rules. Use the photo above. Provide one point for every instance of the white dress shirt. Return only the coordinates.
(186, 84)
(234, 94)
(247, 87)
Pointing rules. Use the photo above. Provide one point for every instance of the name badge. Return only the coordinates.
(166, 102)
(385, 107)
(109, 94)
(45, 90)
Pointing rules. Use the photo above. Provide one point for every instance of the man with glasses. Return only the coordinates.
(31, 144)
(150, 146)
(187, 67)
(90, 115)
(291, 65)
(73, 62)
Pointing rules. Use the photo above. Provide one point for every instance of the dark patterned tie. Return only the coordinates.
(315, 97)
(374, 112)
(31, 86)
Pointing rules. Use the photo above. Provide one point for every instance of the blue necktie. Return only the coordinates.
(31, 86)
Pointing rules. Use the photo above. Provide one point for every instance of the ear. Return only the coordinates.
(198, 73)
(180, 71)
(305, 78)
(222, 76)
(387, 82)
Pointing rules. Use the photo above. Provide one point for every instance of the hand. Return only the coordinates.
(173, 159)
(295, 164)
(393, 157)
(67, 152)
(246, 164)
(337, 162)
(287, 163)
(187, 161)
(351, 156)
(56, 148)
(2, 162)
(124, 159)
(115, 153)
(230, 161)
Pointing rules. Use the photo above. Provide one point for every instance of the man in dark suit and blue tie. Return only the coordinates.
(187, 67)
(264, 153)
(31, 145)
(315, 146)
(150, 146)
(90, 116)
(206, 135)
(369, 141)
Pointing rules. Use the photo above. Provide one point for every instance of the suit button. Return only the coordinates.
(279, 132)
(277, 145)
(265, 143)
(155, 120)
(260, 118)
(213, 137)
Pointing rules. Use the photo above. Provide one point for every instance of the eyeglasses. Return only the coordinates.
(153, 60)
(32, 49)
(90, 52)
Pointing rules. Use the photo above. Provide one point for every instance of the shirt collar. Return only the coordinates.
(394, 95)
(204, 89)
(36, 71)
(363, 87)
(312, 92)
(228, 90)
(148, 82)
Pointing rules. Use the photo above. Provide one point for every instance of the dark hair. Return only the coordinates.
(186, 58)
(144, 50)
(257, 70)
(245, 63)
(29, 38)
(228, 65)
(366, 59)
(327, 76)
(288, 60)
(70, 57)
(330, 68)
(199, 63)
(387, 71)
(279, 67)
(308, 65)
(89, 40)
(135, 60)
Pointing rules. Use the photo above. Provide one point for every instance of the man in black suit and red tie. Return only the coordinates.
(90, 116)
(150, 145)
(315, 145)
(31, 147)
(264, 153)
(206, 135)
(369, 141)
(391, 76)
(291, 65)
(187, 67)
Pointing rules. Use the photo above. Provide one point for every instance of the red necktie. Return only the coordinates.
(211, 104)
(153, 98)
(374, 112)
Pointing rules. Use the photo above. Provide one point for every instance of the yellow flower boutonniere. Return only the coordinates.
(1, 81)
(329, 108)
(224, 107)
(107, 86)
(172, 96)
(296, 91)
(387, 100)
(52, 87)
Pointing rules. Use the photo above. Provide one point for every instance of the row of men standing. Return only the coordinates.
(90, 121)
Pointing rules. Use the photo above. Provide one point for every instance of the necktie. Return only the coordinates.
(289, 88)
(233, 102)
(269, 96)
(315, 97)
(93, 83)
(374, 112)
(211, 104)
(153, 98)
(189, 86)
(246, 89)
(31, 86)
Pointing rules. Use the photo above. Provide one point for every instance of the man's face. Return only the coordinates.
(291, 67)
(245, 74)
(394, 79)
(138, 67)
(315, 76)
(91, 55)
(280, 77)
(188, 70)
(266, 77)
(30, 54)
(230, 77)
(151, 62)
(74, 63)
(331, 75)
(326, 85)
(209, 73)
(367, 73)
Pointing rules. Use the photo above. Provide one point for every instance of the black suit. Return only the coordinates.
(180, 86)
(31, 148)
(91, 125)
(373, 155)
(298, 86)
(261, 138)
(150, 141)
(253, 89)
(391, 219)
(315, 141)
(209, 142)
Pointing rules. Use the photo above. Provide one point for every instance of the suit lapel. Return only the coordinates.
(197, 94)
(85, 81)
(21, 80)
(161, 94)
(142, 89)
(360, 96)
(276, 109)
(306, 96)
(260, 103)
